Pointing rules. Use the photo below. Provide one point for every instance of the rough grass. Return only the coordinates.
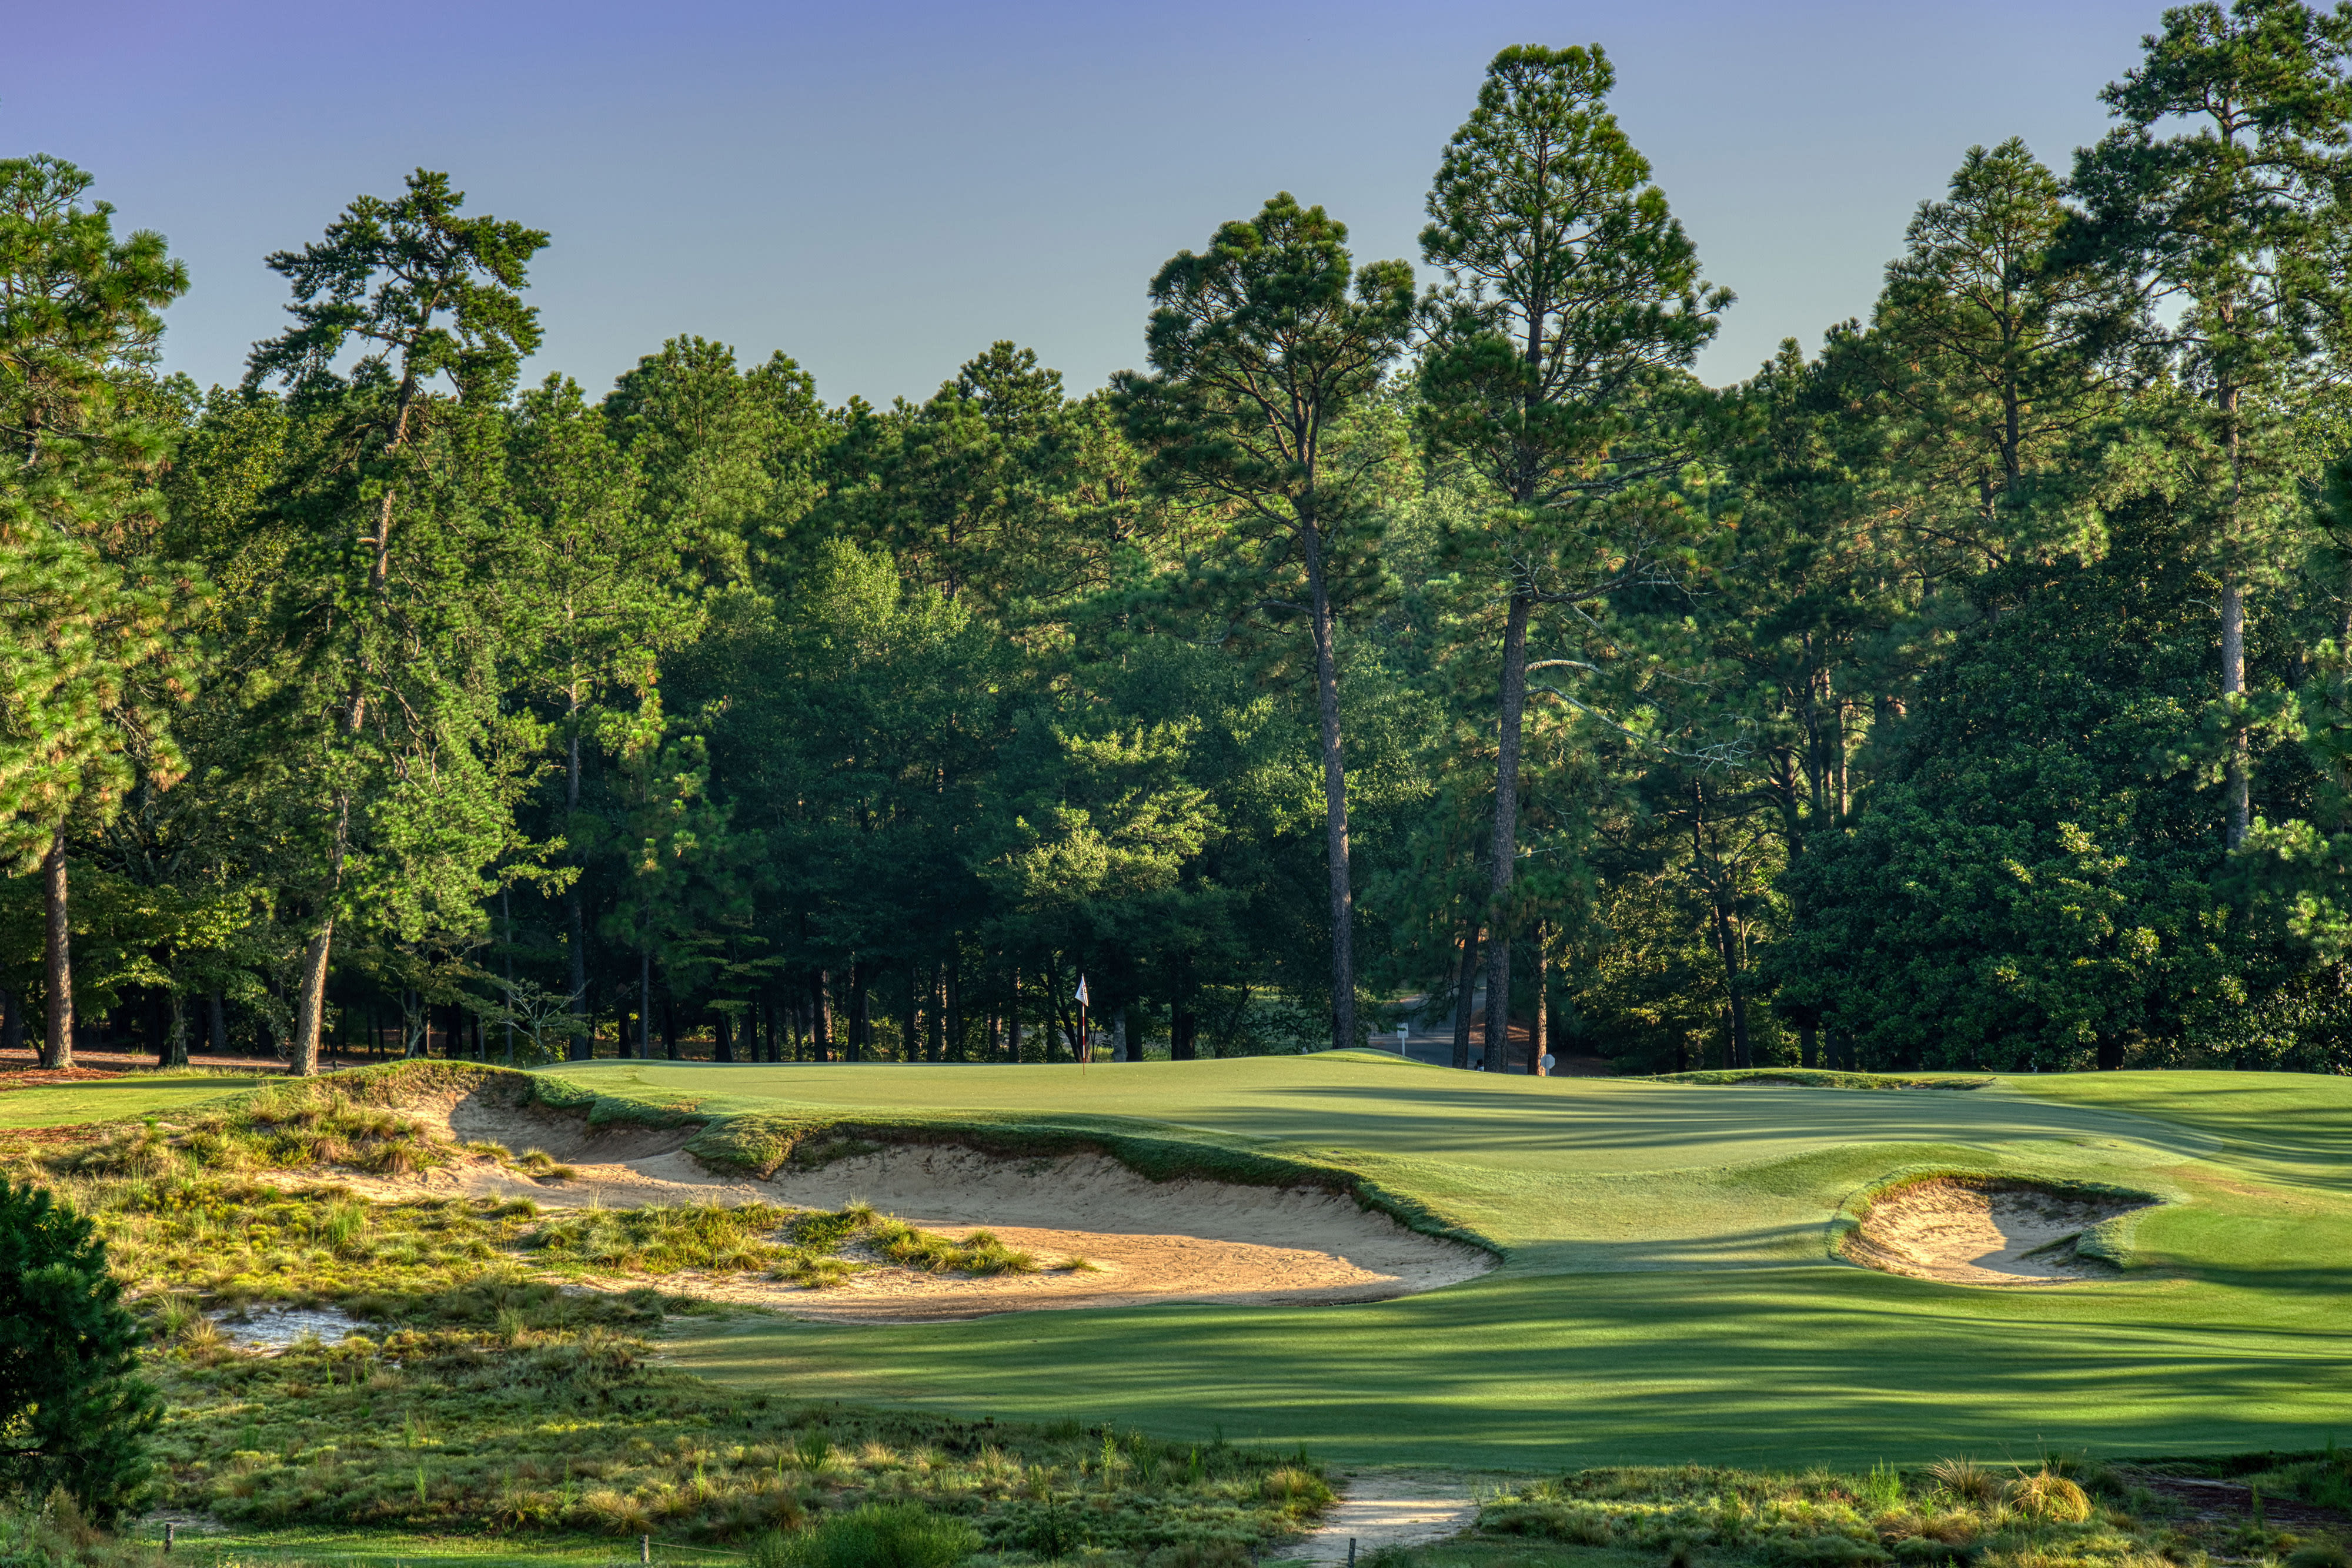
(2057, 1511)
(516, 1413)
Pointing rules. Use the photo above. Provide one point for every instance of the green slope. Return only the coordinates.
(111, 1100)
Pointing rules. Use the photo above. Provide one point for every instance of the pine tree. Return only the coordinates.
(1260, 354)
(1574, 304)
(2238, 218)
(73, 1411)
(390, 734)
(90, 659)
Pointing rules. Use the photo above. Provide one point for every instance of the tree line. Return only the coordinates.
(1974, 690)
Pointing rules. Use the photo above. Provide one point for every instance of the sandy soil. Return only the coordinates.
(1983, 1234)
(1388, 1508)
(1148, 1241)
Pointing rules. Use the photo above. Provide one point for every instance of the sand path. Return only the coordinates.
(1388, 1508)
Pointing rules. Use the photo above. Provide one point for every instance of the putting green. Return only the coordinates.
(1667, 1292)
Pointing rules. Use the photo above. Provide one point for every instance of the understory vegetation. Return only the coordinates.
(2060, 1510)
(523, 1408)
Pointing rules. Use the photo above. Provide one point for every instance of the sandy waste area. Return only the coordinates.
(1146, 1241)
(1990, 1234)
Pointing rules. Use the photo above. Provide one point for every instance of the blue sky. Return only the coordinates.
(881, 190)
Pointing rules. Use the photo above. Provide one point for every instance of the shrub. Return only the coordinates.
(2050, 1498)
(874, 1535)
(2320, 1554)
(1297, 1487)
(77, 1416)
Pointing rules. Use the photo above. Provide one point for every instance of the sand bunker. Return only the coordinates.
(1146, 1241)
(1972, 1232)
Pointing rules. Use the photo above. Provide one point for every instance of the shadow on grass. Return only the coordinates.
(1787, 1368)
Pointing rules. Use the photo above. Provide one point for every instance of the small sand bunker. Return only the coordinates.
(1974, 1233)
(276, 1328)
(1145, 1242)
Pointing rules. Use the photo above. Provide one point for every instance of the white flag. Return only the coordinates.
(1082, 992)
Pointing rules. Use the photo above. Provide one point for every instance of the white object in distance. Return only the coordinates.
(1403, 1031)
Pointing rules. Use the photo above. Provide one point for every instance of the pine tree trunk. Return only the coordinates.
(669, 1026)
(57, 958)
(910, 1030)
(2233, 681)
(1539, 1036)
(1182, 1023)
(1013, 1019)
(821, 1021)
(722, 1043)
(11, 1019)
(310, 1001)
(1465, 993)
(935, 1035)
(1505, 846)
(861, 1019)
(1335, 800)
(956, 1047)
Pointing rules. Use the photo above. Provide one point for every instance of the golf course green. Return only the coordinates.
(1667, 1292)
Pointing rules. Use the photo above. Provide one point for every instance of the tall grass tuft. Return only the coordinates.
(1966, 1480)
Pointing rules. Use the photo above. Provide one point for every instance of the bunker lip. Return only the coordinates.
(1986, 1230)
(1165, 1241)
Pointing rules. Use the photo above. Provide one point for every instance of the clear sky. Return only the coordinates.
(882, 189)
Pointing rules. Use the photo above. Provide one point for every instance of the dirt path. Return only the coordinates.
(1402, 1507)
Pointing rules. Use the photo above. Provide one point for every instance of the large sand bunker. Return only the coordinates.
(1969, 1231)
(1146, 1240)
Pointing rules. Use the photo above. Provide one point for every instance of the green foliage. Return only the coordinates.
(883, 1535)
(77, 1417)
